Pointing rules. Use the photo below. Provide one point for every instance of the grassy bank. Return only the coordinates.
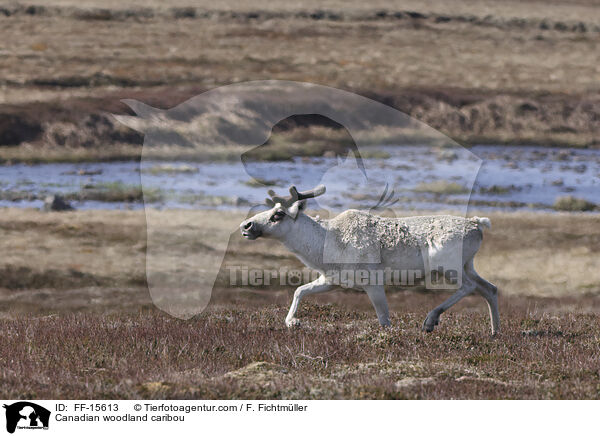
(480, 72)
(532, 254)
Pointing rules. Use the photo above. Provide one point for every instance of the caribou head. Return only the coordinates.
(281, 217)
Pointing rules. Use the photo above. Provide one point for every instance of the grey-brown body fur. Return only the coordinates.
(369, 241)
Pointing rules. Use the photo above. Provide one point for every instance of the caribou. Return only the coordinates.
(363, 241)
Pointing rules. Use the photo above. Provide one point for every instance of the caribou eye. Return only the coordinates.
(277, 216)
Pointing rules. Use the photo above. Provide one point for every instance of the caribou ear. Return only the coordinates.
(296, 208)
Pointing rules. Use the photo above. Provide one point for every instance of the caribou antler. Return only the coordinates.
(385, 200)
(294, 196)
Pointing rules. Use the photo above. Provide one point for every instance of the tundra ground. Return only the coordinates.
(77, 320)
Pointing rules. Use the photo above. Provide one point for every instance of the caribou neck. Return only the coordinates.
(308, 241)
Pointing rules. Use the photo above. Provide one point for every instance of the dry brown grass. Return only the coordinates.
(240, 352)
(504, 8)
(532, 254)
(480, 71)
(354, 51)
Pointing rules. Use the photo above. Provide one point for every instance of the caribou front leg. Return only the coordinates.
(319, 285)
(378, 299)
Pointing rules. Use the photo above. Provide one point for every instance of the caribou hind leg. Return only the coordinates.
(487, 291)
(433, 317)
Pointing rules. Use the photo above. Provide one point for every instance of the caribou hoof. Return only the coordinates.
(292, 322)
(429, 324)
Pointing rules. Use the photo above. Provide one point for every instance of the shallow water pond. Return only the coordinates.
(506, 178)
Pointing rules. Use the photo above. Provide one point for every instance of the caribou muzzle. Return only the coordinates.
(249, 230)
